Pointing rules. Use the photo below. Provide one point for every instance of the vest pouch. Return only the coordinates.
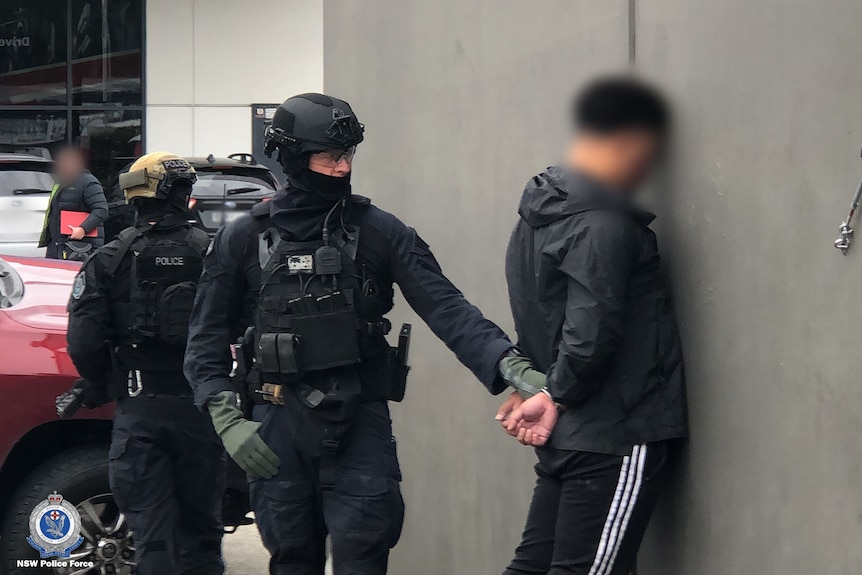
(164, 274)
(174, 312)
(276, 353)
(325, 339)
(144, 308)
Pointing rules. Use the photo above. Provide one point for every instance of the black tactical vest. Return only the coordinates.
(319, 306)
(165, 270)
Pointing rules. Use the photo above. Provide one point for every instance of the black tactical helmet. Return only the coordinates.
(310, 123)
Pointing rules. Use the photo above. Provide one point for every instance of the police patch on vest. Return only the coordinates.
(303, 263)
(79, 286)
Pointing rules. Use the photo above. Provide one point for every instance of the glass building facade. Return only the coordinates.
(71, 72)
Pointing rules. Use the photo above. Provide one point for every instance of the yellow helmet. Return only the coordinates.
(152, 175)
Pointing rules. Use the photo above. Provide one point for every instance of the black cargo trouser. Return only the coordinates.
(362, 514)
(167, 477)
(589, 511)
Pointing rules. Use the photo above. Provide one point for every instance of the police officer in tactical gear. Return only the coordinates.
(311, 274)
(128, 325)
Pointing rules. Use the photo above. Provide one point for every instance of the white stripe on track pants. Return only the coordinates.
(589, 511)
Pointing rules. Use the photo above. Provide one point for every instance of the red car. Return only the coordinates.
(40, 453)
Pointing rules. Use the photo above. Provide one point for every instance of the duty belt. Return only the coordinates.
(273, 394)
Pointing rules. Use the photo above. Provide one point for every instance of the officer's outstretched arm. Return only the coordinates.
(477, 342)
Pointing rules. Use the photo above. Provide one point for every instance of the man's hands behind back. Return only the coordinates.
(533, 422)
(529, 414)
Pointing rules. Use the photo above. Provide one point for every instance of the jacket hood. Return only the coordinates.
(558, 193)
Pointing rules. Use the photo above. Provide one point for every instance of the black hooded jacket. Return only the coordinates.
(591, 308)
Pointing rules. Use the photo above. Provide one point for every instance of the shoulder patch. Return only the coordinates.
(80, 285)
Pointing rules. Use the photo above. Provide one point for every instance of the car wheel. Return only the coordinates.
(81, 477)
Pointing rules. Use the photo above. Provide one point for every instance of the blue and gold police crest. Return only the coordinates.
(55, 527)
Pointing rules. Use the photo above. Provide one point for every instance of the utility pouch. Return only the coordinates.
(286, 347)
(174, 312)
(277, 353)
(327, 339)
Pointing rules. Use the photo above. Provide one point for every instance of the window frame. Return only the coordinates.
(69, 108)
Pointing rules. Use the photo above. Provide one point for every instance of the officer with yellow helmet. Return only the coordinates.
(128, 322)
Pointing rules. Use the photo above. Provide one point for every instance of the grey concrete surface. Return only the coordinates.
(463, 102)
(769, 104)
(244, 553)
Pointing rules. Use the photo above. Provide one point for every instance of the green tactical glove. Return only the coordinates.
(518, 372)
(240, 437)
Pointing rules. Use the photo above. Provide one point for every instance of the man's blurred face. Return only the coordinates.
(623, 159)
(69, 165)
(636, 152)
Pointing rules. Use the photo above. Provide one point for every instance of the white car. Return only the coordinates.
(25, 190)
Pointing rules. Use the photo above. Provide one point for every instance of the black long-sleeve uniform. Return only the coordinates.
(231, 280)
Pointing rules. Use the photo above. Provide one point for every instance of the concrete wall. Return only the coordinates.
(209, 60)
(463, 102)
(769, 99)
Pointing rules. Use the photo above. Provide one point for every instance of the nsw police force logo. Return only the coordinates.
(55, 527)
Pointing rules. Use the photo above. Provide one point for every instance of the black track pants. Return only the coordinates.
(589, 511)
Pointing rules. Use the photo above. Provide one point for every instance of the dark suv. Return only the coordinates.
(227, 188)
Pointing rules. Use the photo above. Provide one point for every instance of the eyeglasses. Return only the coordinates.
(332, 158)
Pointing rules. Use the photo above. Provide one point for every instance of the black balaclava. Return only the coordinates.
(176, 203)
(329, 188)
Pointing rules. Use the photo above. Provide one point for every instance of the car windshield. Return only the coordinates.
(19, 178)
(233, 180)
